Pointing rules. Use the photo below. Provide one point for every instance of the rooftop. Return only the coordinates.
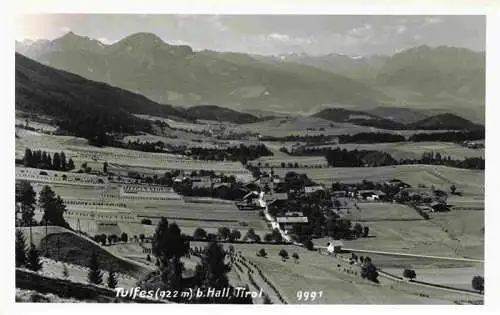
(292, 219)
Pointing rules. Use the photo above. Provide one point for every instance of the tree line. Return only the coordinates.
(242, 153)
(321, 138)
(43, 160)
(431, 158)
(226, 191)
(371, 137)
(382, 137)
(449, 136)
(371, 158)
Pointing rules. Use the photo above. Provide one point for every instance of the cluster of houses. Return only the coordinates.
(473, 144)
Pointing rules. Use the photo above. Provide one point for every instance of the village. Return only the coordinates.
(114, 206)
(298, 166)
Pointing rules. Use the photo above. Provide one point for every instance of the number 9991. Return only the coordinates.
(308, 295)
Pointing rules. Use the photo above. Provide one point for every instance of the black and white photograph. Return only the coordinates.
(168, 158)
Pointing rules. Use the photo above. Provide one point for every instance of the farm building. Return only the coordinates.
(265, 180)
(203, 179)
(93, 219)
(287, 223)
(424, 194)
(271, 198)
(278, 203)
(339, 193)
(439, 206)
(473, 145)
(201, 185)
(292, 219)
(313, 189)
(252, 201)
(396, 183)
(294, 214)
(370, 195)
(148, 192)
(37, 175)
(335, 246)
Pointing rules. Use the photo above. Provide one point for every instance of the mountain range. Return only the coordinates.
(169, 74)
(362, 68)
(442, 79)
(437, 80)
(42, 89)
(68, 97)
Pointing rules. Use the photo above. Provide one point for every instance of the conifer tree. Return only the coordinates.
(53, 207)
(27, 198)
(112, 282)
(56, 162)
(65, 271)
(213, 269)
(71, 165)
(34, 262)
(20, 249)
(64, 164)
(95, 273)
(28, 158)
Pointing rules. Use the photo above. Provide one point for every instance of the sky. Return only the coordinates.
(355, 35)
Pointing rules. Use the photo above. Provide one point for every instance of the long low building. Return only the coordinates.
(49, 176)
(292, 219)
(99, 219)
(101, 214)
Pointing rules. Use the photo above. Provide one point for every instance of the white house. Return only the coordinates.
(335, 246)
(312, 189)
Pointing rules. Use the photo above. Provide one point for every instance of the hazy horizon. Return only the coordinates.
(269, 34)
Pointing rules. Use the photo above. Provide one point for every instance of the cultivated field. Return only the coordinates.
(470, 182)
(460, 278)
(414, 150)
(299, 125)
(400, 229)
(121, 159)
(281, 127)
(465, 226)
(316, 272)
(383, 211)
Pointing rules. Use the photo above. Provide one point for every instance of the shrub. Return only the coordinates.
(283, 254)
(309, 244)
(146, 221)
(478, 283)
(409, 273)
(262, 253)
(124, 237)
(199, 234)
